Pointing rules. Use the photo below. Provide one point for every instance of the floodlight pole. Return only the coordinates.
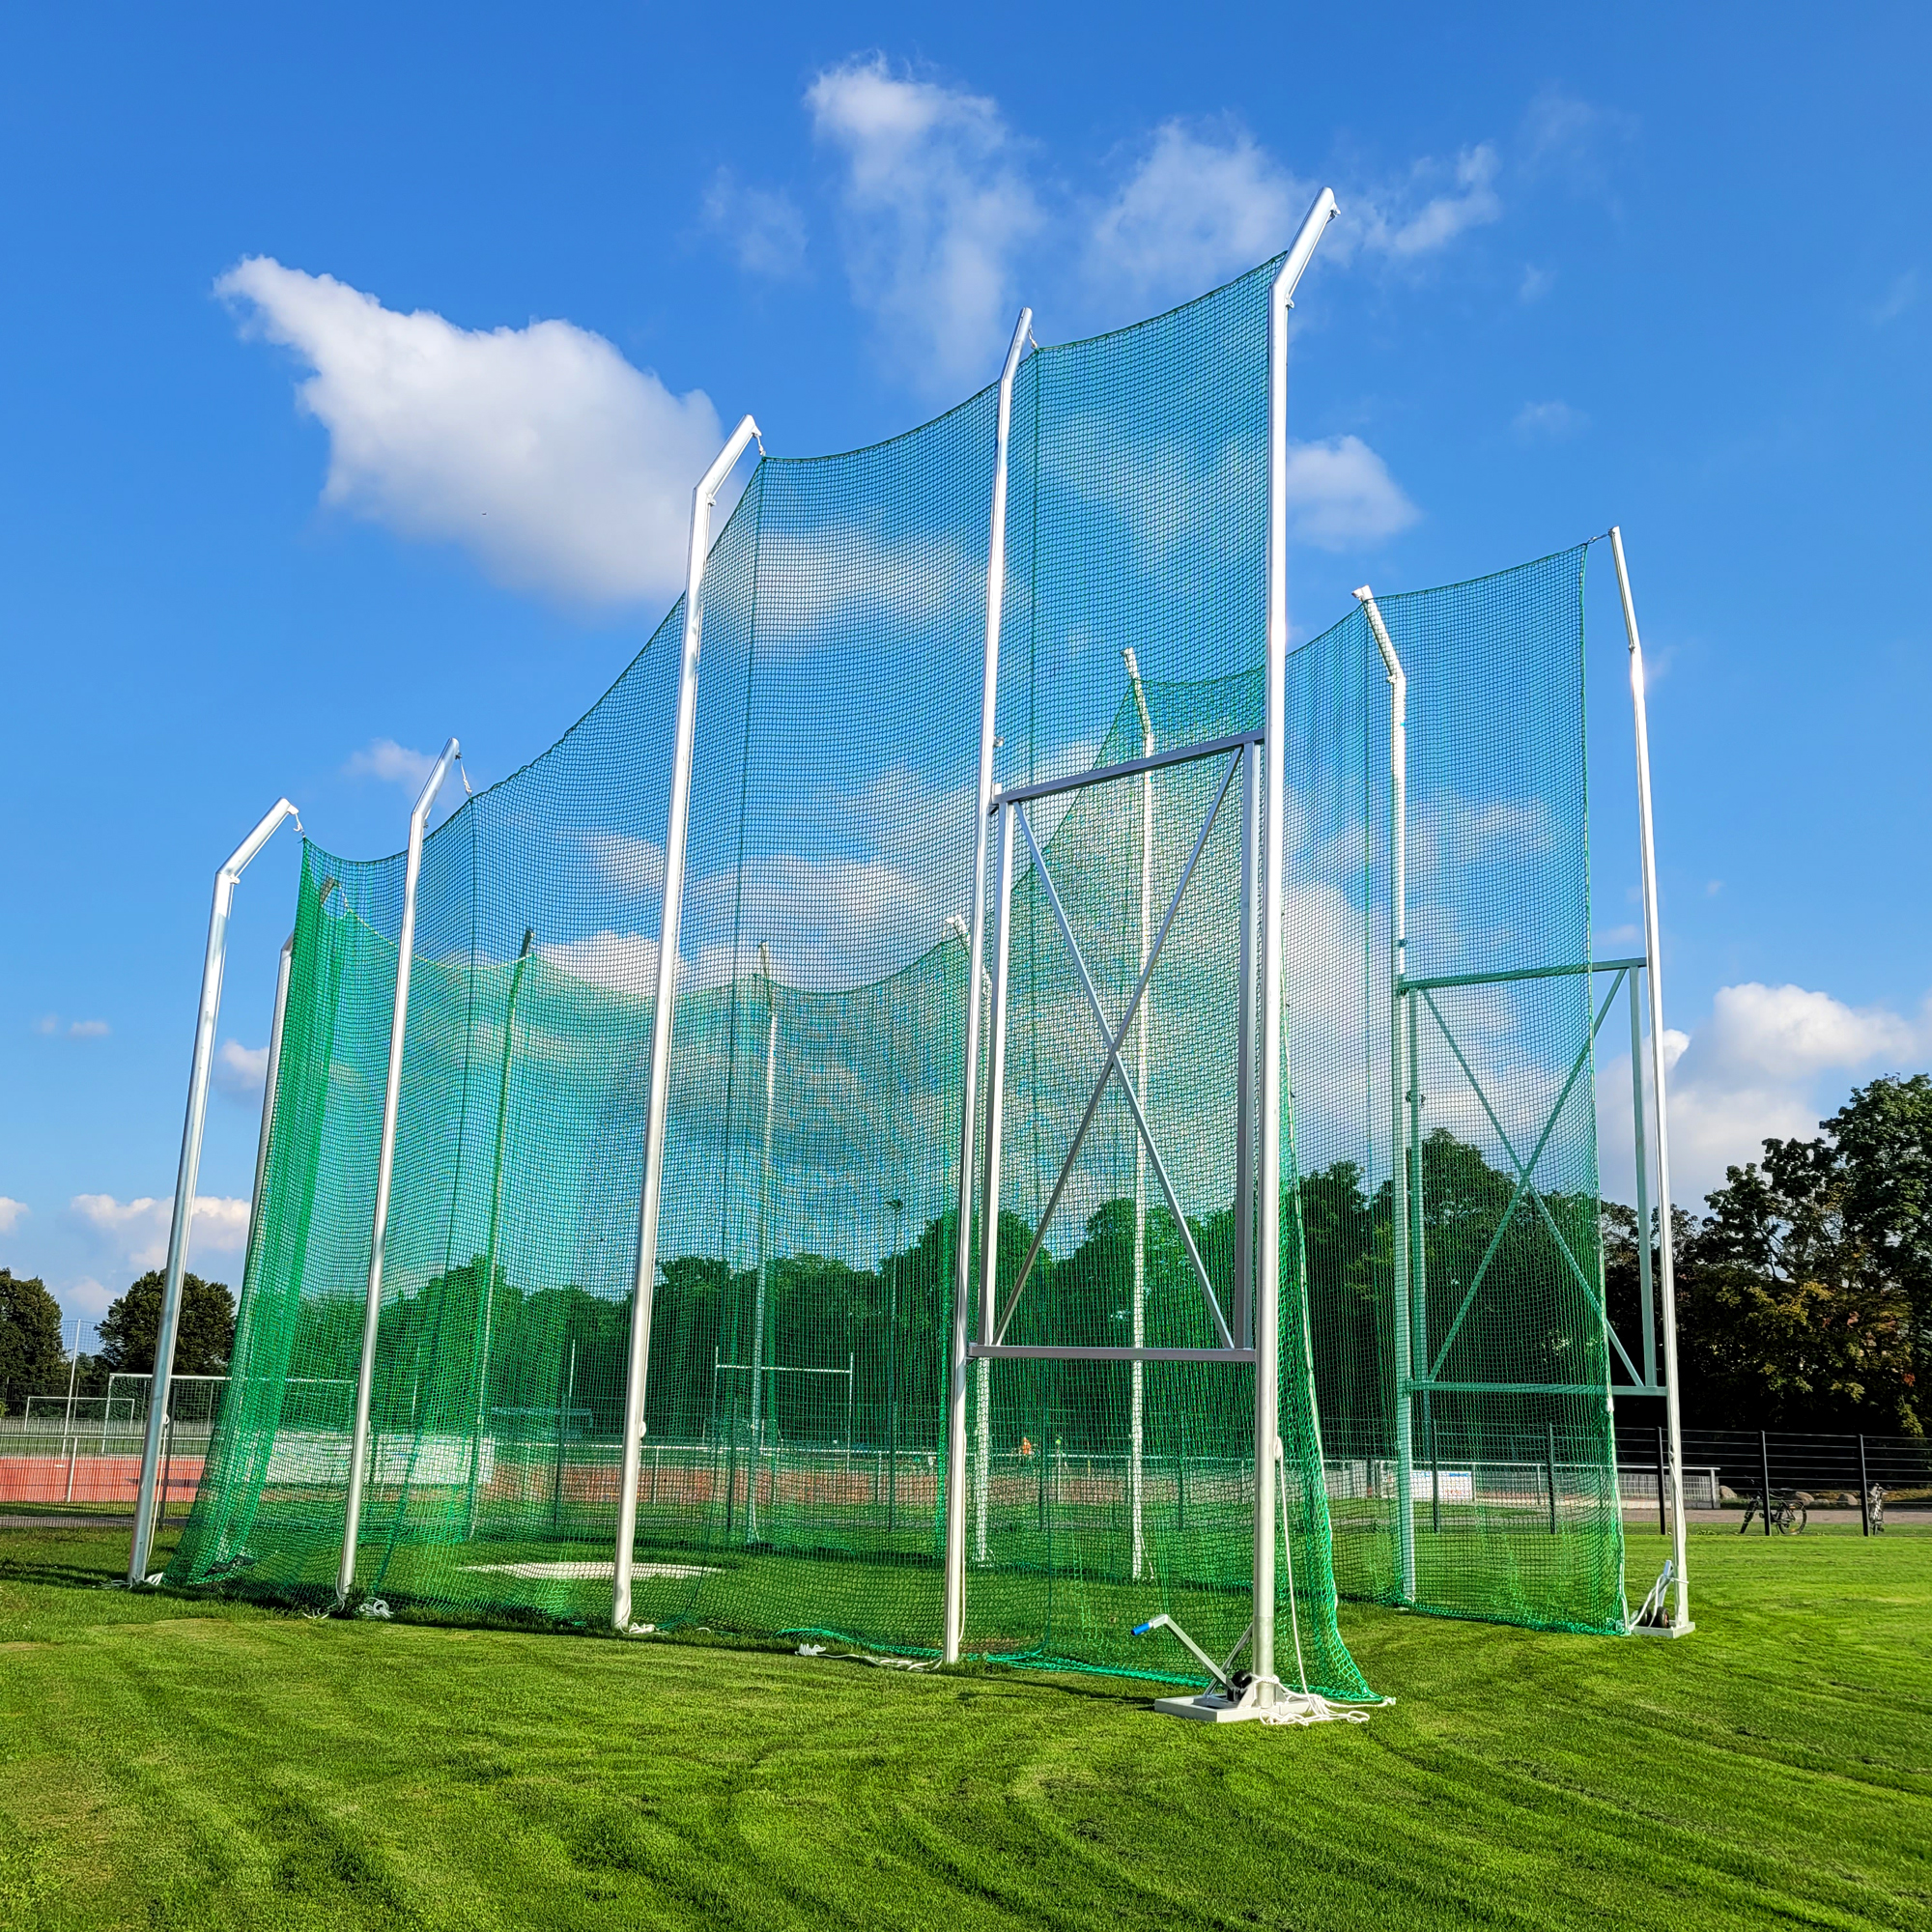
(1680, 1618)
(962, 1289)
(764, 1252)
(385, 1168)
(1137, 1423)
(658, 1107)
(1274, 810)
(1399, 1074)
(189, 1174)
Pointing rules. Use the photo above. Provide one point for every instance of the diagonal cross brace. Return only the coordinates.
(1128, 1086)
(1114, 1043)
(1527, 1185)
(1523, 1184)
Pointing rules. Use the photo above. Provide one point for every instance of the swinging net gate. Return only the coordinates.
(1025, 1129)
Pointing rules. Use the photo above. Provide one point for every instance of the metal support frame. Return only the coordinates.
(385, 1165)
(200, 1066)
(1012, 808)
(1265, 825)
(1411, 997)
(954, 1618)
(677, 830)
(1680, 1616)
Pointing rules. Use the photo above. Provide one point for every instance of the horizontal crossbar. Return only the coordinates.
(1528, 1388)
(1519, 973)
(1016, 1352)
(1186, 754)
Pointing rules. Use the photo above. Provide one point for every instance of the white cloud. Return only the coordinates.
(633, 866)
(90, 1296)
(47, 1024)
(1340, 494)
(1767, 1061)
(1196, 211)
(240, 1071)
(10, 1211)
(763, 227)
(137, 1231)
(625, 963)
(558, 465)
(89, 1030)
(1536, 283)
(1551, 422)
(1422, 215)
(384, 759)
(936, 203)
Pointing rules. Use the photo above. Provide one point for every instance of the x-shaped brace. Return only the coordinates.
(1114, 1037)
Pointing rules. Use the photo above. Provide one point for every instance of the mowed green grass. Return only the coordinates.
(173, 1763)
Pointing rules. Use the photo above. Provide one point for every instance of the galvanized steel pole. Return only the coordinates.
(643, 1287)
(200, 1066)
(1653, 941)
(385, 1167)
(954, 1622)
(1399, 1074)
(1274, 809)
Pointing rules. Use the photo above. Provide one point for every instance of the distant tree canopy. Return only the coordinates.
(203, 1341)
(1804, 1299)
(1804, 1292)
(32, 1360)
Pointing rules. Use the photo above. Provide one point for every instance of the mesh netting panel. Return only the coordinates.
(792, 1470)
(1513, 1490)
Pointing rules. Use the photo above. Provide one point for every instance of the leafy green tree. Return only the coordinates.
(32, 1362)
(203, 1340)
(1788, 1317)
(1882, 1138)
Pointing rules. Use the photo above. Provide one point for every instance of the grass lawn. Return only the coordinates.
(174, 1763)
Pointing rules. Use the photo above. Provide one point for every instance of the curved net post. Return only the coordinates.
(954, 1607)
(385, 1168)
(677, 834)
(1680, 1616)
(200, 1066)
(1274, 810)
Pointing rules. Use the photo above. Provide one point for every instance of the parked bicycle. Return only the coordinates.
(1786, 1512)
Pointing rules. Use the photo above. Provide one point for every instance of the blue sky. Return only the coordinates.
(1671, 267)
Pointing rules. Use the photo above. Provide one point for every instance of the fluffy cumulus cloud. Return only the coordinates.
(1417, 216)
(10, 1211)
(935, 203)
(240, 1071)
(1341, 495)
(136, 1232)
(396, 764)
(1767, 1061)
(1199, 207)
(558, 465)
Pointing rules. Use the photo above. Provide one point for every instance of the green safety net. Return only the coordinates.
(792, 1470)
(1511, 1480)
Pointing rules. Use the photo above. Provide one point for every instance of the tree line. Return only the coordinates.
(1803, 1295)
(34, 1354)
